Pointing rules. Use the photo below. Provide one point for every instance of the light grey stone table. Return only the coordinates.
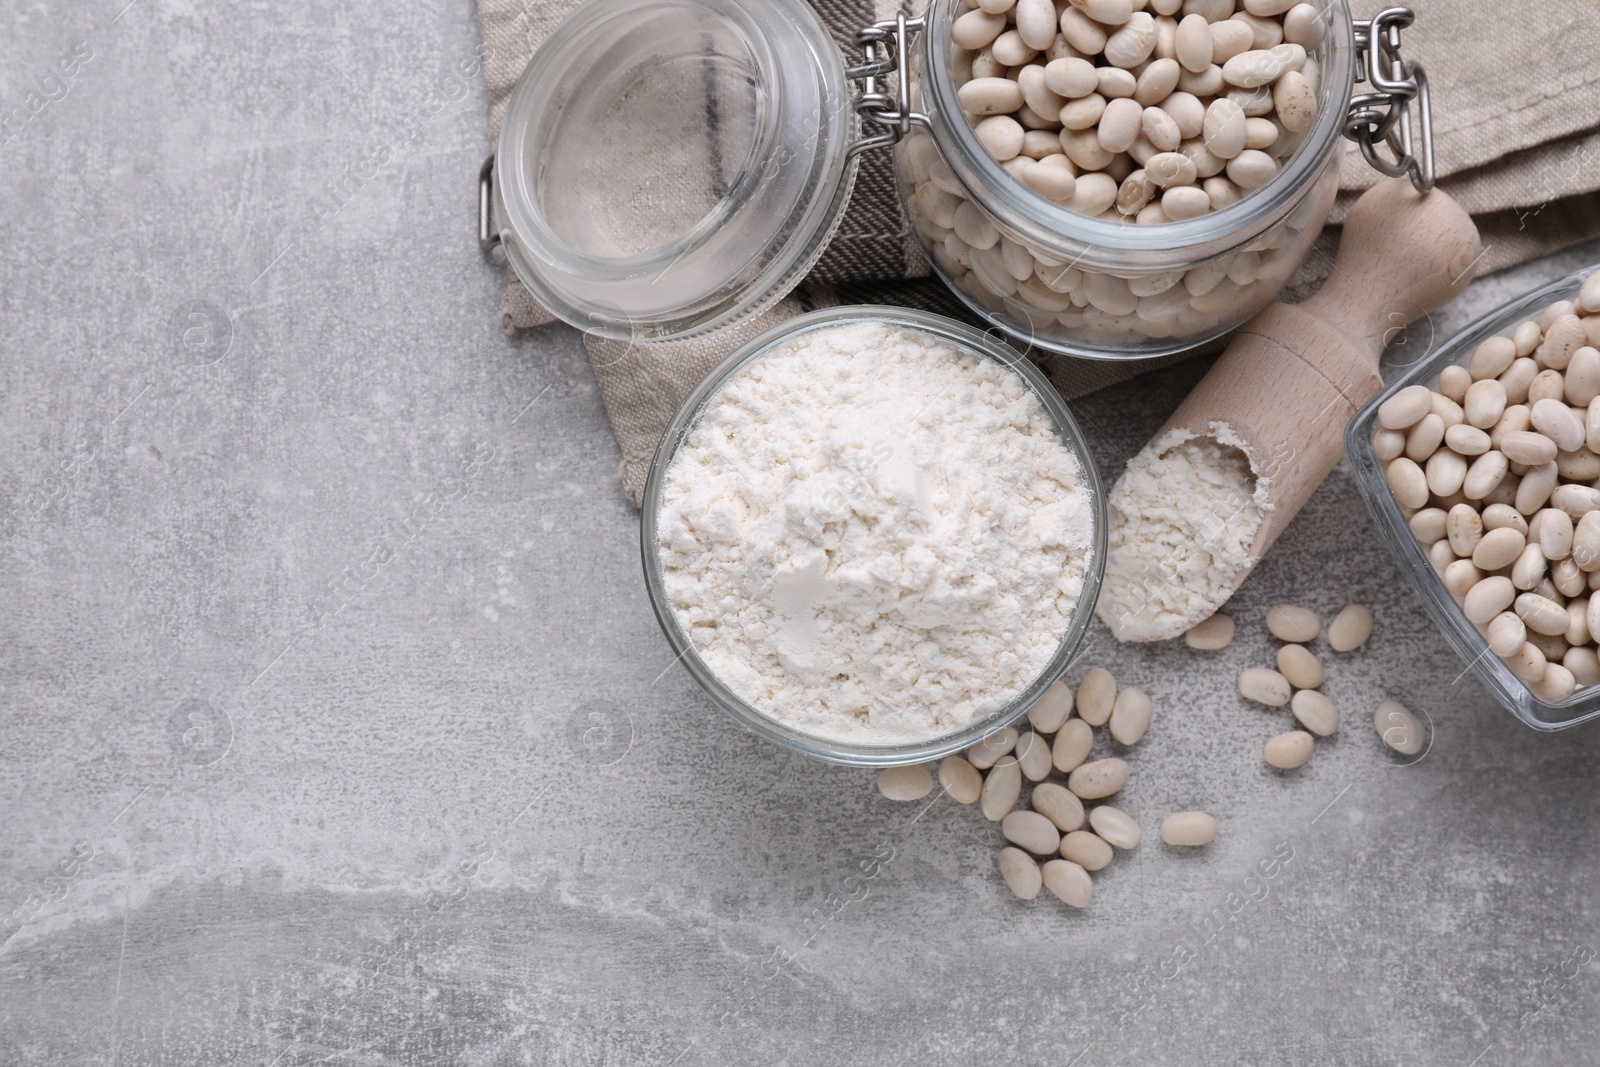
(337, 728)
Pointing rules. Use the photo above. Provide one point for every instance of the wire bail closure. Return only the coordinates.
(884, 46)
(1383, 116)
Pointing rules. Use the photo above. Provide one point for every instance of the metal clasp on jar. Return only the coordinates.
(1383, 116)
(883, 44)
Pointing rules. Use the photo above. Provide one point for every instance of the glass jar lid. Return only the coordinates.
(667, 166)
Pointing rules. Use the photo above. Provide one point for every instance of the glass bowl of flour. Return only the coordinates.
(874, 535)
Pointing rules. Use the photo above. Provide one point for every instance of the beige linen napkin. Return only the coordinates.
(1516, 105)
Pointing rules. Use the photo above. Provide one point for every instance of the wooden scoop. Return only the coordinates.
(1295, 374)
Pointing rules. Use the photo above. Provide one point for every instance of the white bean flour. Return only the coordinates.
(872, 537)
(1183, 518)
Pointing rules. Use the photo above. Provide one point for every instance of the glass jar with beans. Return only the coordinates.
(1123, 178)
(1481, 464)
(1101, 178)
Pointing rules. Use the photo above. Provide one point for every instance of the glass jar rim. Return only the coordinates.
(744, 254)
(1117, 247)
(967, 339)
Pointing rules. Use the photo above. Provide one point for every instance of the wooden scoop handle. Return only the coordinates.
(1296, 373)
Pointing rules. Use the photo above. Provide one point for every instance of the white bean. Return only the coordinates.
(1101, 778)
(1051, 182)
(1033, 757)
(1288, 751)
(1464, 529)
(1259, 66)
(1484, 404)
(1036, 23)
(1229, 39)
(960, 780)
(1399, 729)
(905, 783)
(1116, 827)
(1097, 693)
(990, 96)
(1087, 849)
(1300, 667)
(1130, 716)
(1388, 444)
(1001, 788)
(976, 29)
(1193, 43)
(1133, 41)
(1224, 128)
(1445, 472)
(1506, 634)
(1069, 882)
(1294, 101)
(1489, 598)
(1188, 829)
(1072, 745)
(1000, 135)
(1492, 358)
(1185, 202)
(1460, 576)
(973, 228)
(1021, 873)
(1555, 420)
(987, 753)
(1106, 12)
(1304, 25)
(1525, 446)
(1529, 569)
(1120, 124)
(1350, 628)
(1058, 804)
(1161, 130)
(1170, 168)
(1315, 712)
(1497, 549)
(1156, 82)
(1081, 32)
(1563, 338)
(1251, 169)
(1031, 831)
(1071, 78)
(1211, 635)
(1541, 614)
(1486, 472)
(1052, 709)
(1187, 111)
(1586, 542)
(1288, 622)
(1264, 686)
(1555, 685)
(1466, 440)
(1009, 48)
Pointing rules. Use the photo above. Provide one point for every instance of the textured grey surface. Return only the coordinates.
(360, 774)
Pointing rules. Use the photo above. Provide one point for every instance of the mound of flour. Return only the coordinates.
(1183, 518)
(872, 537)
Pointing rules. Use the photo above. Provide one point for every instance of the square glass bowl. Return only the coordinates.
(963, 339)
(1507, 688)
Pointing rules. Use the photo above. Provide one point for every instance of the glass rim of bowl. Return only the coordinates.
(964, 338)
(1462, 636)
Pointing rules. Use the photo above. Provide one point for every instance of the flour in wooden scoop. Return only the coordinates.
(1183, 520)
